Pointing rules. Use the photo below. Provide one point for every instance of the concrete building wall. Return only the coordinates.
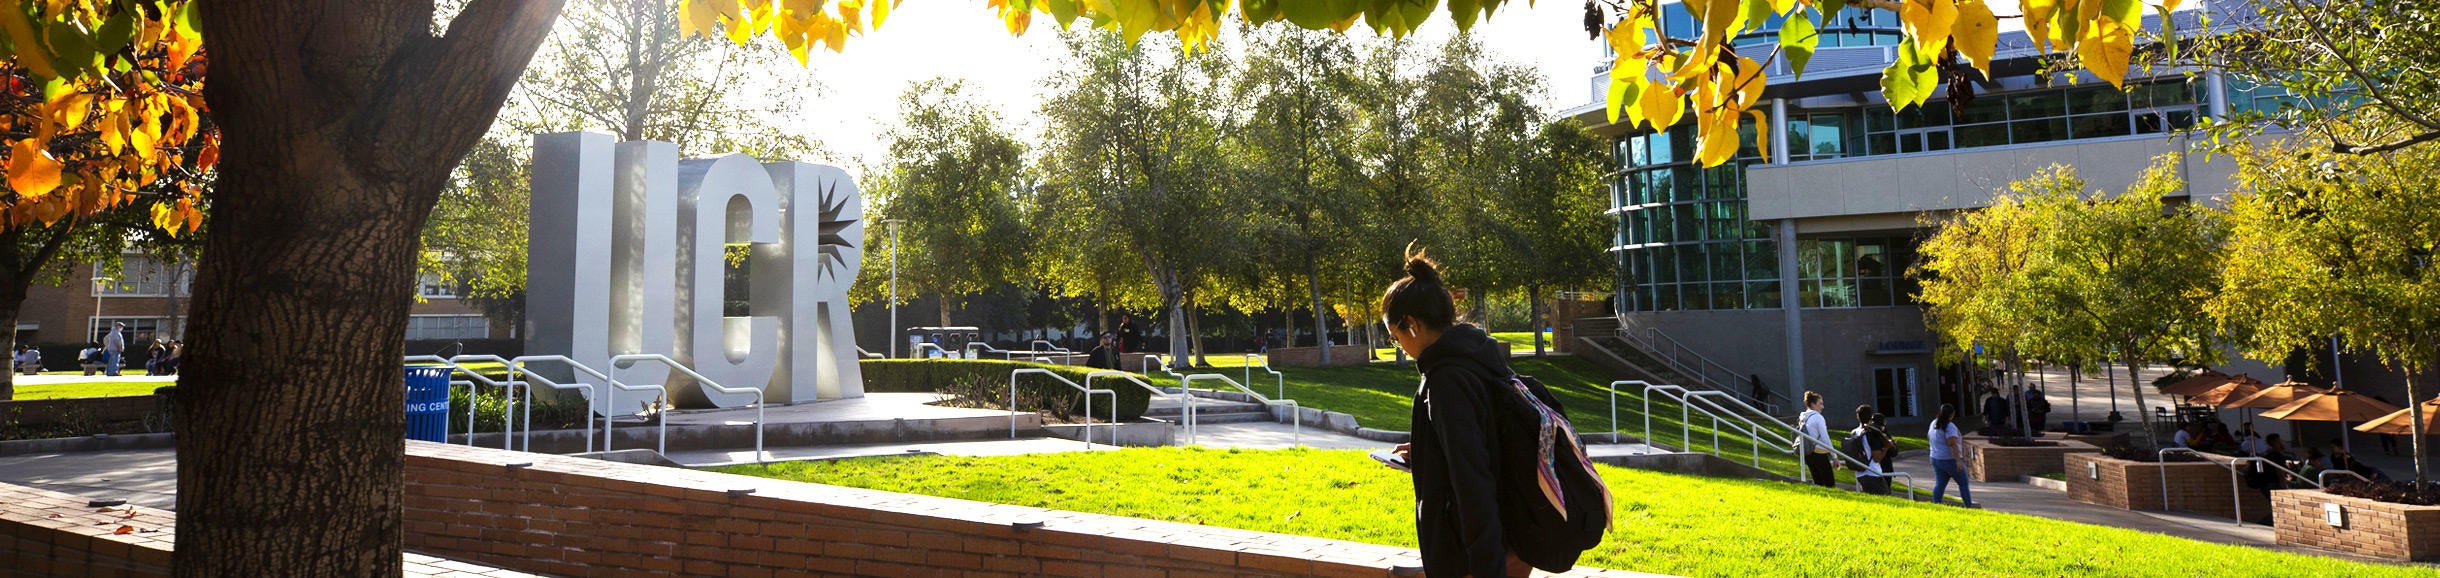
(1838, 349)
(1958, 179)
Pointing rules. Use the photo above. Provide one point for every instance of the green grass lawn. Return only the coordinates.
(1382, 396)
(95, 388)
(1665, 523)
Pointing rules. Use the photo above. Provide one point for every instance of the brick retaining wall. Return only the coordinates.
(43, 412)
(2382, 530)
(1989, 462)
(2197, 487)
(45, 533)
(579, 517)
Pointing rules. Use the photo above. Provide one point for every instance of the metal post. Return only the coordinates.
(93, 326)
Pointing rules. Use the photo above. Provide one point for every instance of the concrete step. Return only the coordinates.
(1203, 407)
(1205, 418)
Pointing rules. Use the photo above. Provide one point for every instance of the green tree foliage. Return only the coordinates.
(2319, 64)
(2325, 243)
(1299, 167)
(1134, 144)
(954, 177)
(2050, 272)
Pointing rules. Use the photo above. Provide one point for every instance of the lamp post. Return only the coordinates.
(93, 326)
(892, 224)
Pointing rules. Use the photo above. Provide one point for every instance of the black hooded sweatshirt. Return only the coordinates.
(1456, 456)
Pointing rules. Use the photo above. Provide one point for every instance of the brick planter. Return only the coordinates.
(2384, 530)
(1340, 356)
(1987, 462)
(2198, 487)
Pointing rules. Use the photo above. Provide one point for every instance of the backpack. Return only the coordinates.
(1856, 446)
(1536, 530)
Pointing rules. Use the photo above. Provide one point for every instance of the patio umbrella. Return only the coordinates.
(2398, 423)
(2274, 396)
(2243, 387)
(2337, 405)
(2198, 384)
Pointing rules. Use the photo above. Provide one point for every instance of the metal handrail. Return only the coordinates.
(1295, 412)
(1185, 400)
(1040, 346)
(506, 425)
(2236, 493)
(2324, 476)
(1145, 366)
(1088, 404)
(1700, 370)
(1687, 431)
(2258, 462)
(1781, 444)
(968, 351)
(518, 364)
(912, 353)
(1266, 368)
(625, 361)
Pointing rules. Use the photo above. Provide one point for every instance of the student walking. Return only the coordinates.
(114, 348)
(1866, 443)
(1944, 457)
(1472, 444)
(1813, 441)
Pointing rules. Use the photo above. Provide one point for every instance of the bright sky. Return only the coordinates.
(962, 39)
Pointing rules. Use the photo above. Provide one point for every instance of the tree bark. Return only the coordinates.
(2133, 383)
(1533, 300)
(12, 299)
(340, 122)
(1313, 283)
(2414, 419)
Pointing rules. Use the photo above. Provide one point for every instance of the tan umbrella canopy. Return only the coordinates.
(2274, 396)
(2201, 382)
(2243, 387)
(2398, 423)
(2333, 405)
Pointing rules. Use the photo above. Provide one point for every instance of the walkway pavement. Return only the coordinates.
(146, 478)
(2022, 498)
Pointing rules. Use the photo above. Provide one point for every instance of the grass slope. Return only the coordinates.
(1666, 523)
(1382, 396)
(96, 388)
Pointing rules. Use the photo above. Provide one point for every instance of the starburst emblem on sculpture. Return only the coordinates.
(835, 225)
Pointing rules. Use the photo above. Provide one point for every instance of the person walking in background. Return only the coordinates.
(1866, 444)
(1813, 441)
(114, 349)
(1994, 410)
(1130, 339)
(2037, 409)
(1944, 457)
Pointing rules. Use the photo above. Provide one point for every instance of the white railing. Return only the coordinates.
(1044, 347)
(1755, 431)
(477, 378)
(625, 361)
(2325, 476)
(1186, 401)
(1088, 404)
(2259, 462)
(1186, 386)
(2236, 491)
(517, 365)
(1282, 378)
(1005, 355)
(1145, 367)
(1701, 368)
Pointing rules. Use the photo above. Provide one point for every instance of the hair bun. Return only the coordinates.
(1422, 269)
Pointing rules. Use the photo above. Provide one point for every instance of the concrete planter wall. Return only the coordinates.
(2198, 487)
(2384, 530)
(1987, 462)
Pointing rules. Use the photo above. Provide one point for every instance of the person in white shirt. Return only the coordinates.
(2249, 441)
(1813, 441)
(1870, 441)
(114, 348)
(2184, 435)
(1944, 457)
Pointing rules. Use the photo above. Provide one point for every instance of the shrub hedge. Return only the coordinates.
(960, 376)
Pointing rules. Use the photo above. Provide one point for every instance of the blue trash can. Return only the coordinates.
(428, 404)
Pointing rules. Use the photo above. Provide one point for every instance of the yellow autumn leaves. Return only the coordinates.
(797, 24)
(127, 124)
(1654, 82)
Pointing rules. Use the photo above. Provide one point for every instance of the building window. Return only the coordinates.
(1894, 391)
(1846, 273)
(144, 276)
(140, 333)
(431, 286)
(421, 327)
(1687, 242)
(2021, 118)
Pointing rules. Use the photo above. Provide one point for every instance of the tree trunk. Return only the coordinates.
(2414, 419)
(12, 298)
(1313, 282)
(1287, 324)
(2075, 405)
(943, 309)
(2137, 385)
(340, 122)
(1533, 300)
(1178, 351)
(1194, 335)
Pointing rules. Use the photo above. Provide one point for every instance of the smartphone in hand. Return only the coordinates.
(1391, 458)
